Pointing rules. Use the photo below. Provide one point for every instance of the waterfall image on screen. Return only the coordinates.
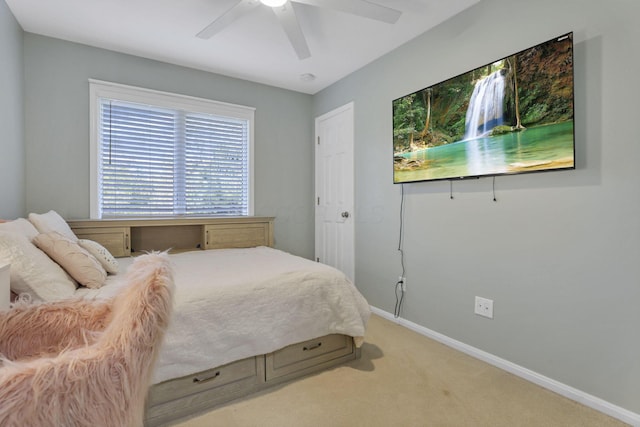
(514, 115)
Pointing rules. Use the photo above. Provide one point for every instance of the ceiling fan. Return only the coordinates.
(287, 17)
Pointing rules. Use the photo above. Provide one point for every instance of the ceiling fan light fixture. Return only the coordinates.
(273, 3)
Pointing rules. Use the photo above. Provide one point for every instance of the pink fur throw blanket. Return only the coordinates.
(83, 363)
(35, 330)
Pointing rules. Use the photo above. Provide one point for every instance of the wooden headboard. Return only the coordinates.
(125, 237)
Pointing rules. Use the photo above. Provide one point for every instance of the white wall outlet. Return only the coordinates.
(403, 283)
(484, 307)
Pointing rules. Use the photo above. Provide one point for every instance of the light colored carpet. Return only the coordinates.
(405, 379)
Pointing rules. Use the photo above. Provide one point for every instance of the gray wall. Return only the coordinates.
(12, 161)
(559, 252)
(57, 131)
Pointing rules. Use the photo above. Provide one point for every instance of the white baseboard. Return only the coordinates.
(527, 374)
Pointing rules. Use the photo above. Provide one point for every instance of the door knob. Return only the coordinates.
(345, 214)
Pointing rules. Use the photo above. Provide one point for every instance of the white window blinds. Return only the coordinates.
(159, 161)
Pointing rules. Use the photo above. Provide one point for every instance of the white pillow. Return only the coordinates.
(20, 226)
(32, 271)
(100, 253)
(52, 221)
(76, 261)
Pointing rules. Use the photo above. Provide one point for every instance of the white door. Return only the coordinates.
(335, 189)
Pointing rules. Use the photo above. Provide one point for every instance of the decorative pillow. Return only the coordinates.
(20, 226)
(79, 263)
(100, 253)
(52, 221)
(32, 271)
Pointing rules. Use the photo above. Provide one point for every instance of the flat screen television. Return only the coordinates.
(513, 115)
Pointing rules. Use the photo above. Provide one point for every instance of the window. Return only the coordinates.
(162, 154)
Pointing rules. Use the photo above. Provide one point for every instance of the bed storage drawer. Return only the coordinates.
(308, 354)
(117, 240)
(245, 369)
(230, 236)
(187, 395)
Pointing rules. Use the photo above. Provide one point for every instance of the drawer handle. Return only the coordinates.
(200, 380)
(312, 347)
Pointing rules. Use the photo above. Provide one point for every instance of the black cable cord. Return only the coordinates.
(494, 189)
(399, 299)
(399, 283)
(451, 189)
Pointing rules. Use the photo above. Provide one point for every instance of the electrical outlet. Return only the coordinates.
(484, 307)
(403, 283)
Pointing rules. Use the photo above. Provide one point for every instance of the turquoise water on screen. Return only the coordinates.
(539, 148)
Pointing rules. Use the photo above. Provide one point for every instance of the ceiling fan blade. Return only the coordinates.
(289, 21)
(358, 7)
(228, 17)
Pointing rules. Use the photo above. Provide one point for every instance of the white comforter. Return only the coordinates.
(231, 304)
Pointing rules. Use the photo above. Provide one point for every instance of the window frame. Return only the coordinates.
(101, 89)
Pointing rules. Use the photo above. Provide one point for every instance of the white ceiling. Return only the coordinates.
(253, 48)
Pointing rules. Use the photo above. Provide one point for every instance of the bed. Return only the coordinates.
(246, 317)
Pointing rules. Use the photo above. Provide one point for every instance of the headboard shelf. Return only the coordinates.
(124, 237)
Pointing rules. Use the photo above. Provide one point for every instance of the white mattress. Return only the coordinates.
(231, 304)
